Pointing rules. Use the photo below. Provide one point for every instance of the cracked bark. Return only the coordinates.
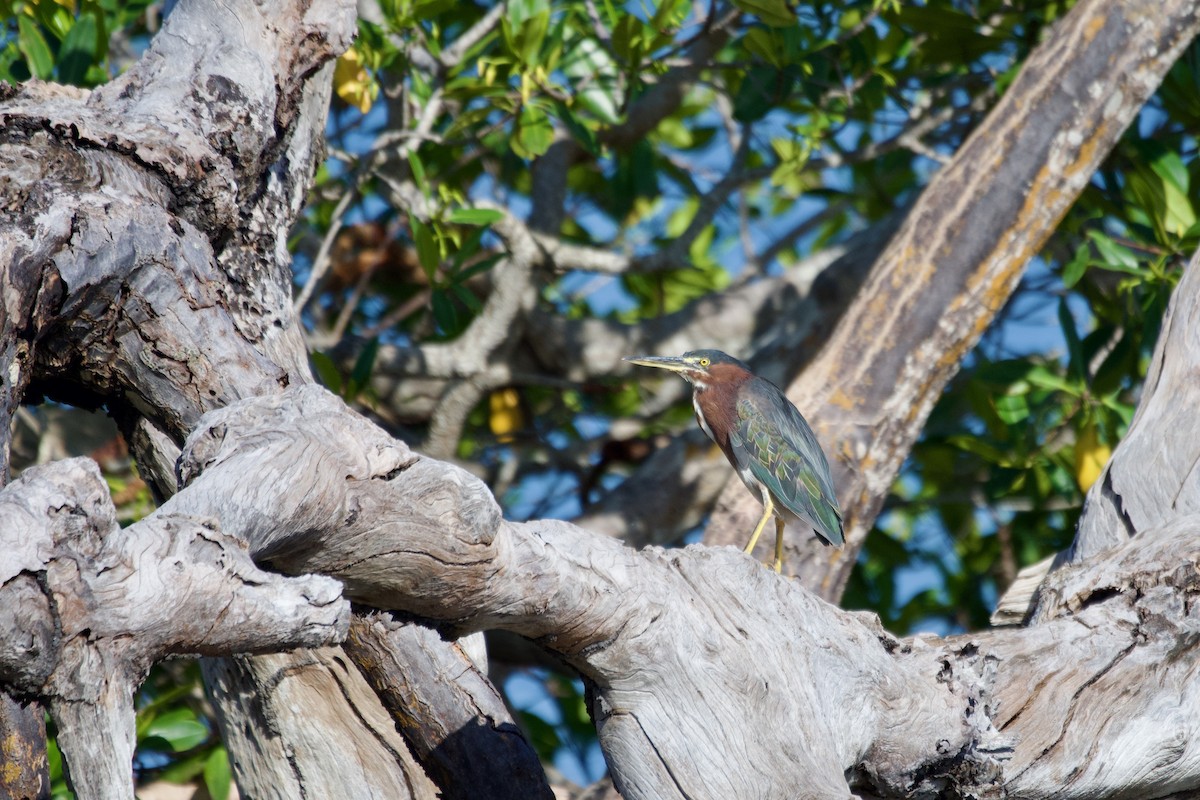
(145, 267)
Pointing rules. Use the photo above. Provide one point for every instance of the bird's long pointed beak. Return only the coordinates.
(672, 363)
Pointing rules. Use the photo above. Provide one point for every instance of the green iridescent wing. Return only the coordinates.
(773, 442)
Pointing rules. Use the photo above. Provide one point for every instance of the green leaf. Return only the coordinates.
(33, 46)
(582, 133)
(669, 14)
(593, 72)
(480, 267)
(775, 13)
(327, 371)
(218, 778)
(179, 728)
(1115, 257)
(467, 297)
(627, 39)
(1075, 364)
(764, 43)
(476, 216)
(79, 50)
(1180, 216)
(360, 376)
(1170, 167)
(525, 38)
(427, 248)
(534, 133)
(521, 10)
(445, 314)
(984, 450)
(1012, 408)
(185, 769)
(1075, 268)
(418, 172)
(55, 17)
(1042, 377)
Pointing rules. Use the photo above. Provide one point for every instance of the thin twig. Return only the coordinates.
(348, 308)
(322, 261)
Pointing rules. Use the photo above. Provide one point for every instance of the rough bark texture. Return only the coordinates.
(96, 605)
(145, 267)
(959, 255)
(142, 267)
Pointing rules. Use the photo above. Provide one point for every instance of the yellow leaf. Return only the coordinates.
(1090, 456)
(352, 82)
(504, 417)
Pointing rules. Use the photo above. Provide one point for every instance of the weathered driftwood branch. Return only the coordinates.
(1102, 691)
(89, 607)
(675, 655)
(145, 267)
(960, 253)
(700, 663)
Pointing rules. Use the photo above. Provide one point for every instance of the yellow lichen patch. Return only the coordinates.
(1093, 27)
(842, 400)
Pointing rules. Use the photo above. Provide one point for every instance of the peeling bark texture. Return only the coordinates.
(1158, 476)
(100, 604)
(958, 256)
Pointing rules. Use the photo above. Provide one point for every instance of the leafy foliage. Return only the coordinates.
(56, 41)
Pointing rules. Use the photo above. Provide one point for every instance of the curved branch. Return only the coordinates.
(700, 658)
(98, 605)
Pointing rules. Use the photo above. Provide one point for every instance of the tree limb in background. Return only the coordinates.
(959, 255)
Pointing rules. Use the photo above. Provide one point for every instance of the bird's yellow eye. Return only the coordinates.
(704, 362)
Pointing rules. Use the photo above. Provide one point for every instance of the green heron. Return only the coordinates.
(766, 440)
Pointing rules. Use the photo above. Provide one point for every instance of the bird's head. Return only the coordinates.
(699, 367)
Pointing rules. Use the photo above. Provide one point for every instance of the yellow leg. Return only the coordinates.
(768, 510)
(778, 545)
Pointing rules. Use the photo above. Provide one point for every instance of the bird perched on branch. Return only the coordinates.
(766, 440)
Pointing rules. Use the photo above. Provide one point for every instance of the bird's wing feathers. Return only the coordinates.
(781, 451)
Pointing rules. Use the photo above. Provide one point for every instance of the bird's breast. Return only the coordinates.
(703, 422)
